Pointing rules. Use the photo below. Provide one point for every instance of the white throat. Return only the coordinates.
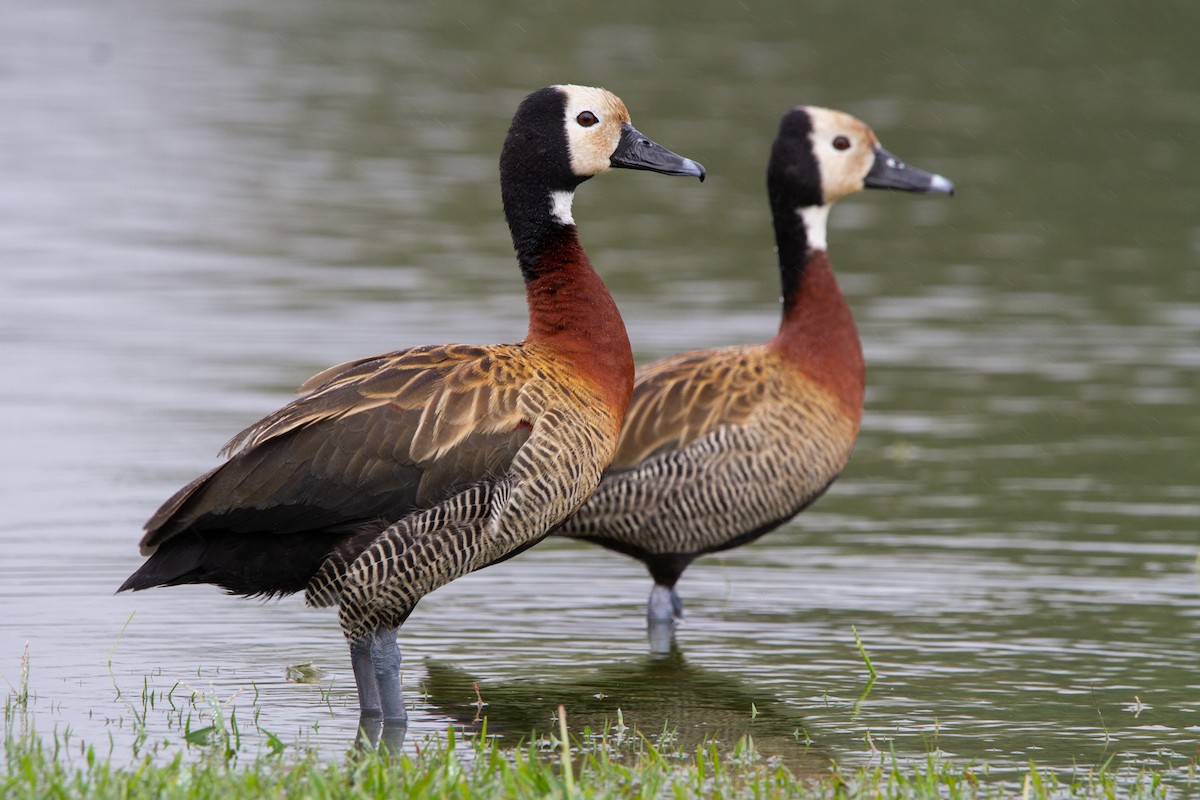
(814, 219)
(560, 207)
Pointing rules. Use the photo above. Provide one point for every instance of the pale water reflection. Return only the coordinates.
(200, 208)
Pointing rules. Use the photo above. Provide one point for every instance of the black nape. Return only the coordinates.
(535, 162)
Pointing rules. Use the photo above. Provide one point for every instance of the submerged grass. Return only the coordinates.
(211, 758)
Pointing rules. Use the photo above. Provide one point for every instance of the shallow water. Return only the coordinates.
(202, 208)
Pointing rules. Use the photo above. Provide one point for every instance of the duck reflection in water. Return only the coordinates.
(654, 694)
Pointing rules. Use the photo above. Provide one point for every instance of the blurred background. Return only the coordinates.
(203, 204)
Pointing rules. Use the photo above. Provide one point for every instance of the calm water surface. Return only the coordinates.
(199, 209)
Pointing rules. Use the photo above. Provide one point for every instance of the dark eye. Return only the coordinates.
(587, 119)
(841, 143)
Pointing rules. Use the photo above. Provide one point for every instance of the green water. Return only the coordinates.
(203, 207)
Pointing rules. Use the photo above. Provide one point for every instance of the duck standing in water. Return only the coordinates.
(393, 475)
(722, 446)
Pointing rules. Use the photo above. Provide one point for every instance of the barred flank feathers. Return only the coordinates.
(732, 482)
(486, 523)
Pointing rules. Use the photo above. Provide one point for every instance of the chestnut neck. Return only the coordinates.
(817, 335)
(572, 313)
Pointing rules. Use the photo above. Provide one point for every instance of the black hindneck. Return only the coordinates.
(533, 225)
(534, 165)
(791, 242)
(793, 183)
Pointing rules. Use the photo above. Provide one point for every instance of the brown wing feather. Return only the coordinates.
(684, 397)
(372, 438)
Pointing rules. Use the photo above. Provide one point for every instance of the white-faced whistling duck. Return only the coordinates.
(721, 446)
(393, 475)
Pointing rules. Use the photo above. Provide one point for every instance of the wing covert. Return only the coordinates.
(681, 398)
(373, 438)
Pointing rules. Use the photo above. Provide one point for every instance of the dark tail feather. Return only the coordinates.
(241, 563)
(171, 565)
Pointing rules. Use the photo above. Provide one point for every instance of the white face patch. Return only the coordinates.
(845, 150)
(815, 219)
(560, 207)
(591, 144)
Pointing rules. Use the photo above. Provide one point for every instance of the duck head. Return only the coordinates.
(821, 156)
(562, 135)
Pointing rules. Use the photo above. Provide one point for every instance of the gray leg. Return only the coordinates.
(364, 678)
(665, 605)
(663, 611)
(661, 635)
(385, 656)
